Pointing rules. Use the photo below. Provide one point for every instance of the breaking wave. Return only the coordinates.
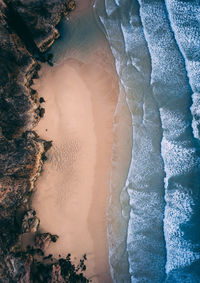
(156, 49)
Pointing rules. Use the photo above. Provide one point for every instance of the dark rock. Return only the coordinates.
(41, 100)
(50, 63)
(35, 76)
(30, 223)
(47, 145)
(19, 268)
(71, 6)
(54, 238)
(44, 157)
(56, 275)
(42, 111)
(49, 57)
(40, 19)
(42, 241)
(20, 165)
(16, 69)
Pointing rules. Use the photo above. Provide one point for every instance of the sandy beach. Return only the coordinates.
(73, 190)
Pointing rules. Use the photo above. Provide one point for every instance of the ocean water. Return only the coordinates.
(156, 45)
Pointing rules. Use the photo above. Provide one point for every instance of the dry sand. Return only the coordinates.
(73, 190)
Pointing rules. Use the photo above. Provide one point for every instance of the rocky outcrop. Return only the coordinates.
(38, 19)
(19, 268)
(42, 241)
(20, 164)
(27, 30)
(17, 69)
(30, 222)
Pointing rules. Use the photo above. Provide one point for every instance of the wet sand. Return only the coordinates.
(73, 190)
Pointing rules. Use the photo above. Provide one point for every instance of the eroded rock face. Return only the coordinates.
(30, 222)
(56, 275)
(17, 67)
(20, 164)
(42, 241)
(27, 28)
(19, 268)
(41, 18)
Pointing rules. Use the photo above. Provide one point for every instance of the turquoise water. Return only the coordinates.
(156, 49)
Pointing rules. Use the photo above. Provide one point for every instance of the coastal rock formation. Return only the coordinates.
(17, 69)
(21, 162)
(27, 30)
(36, 20)
(19, 268)
(30, 223)
(42, 241)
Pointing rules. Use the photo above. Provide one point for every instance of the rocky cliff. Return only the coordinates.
(27, 30)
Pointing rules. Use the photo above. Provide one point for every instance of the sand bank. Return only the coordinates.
(73, 189)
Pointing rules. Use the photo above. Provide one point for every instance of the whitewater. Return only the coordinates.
(156, 46)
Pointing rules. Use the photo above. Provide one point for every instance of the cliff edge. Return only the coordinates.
(27, 30)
